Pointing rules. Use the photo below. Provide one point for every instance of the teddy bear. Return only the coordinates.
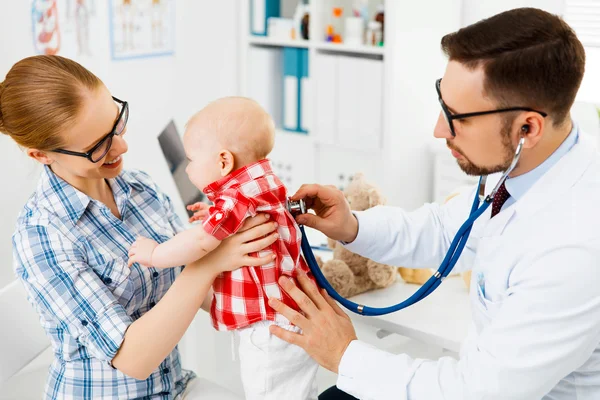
(349, 273)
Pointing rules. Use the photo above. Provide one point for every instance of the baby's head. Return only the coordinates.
(227, 134)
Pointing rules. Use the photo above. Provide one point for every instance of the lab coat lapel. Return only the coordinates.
(556, 181)
(562, 176)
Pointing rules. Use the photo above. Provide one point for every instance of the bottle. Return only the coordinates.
(297, 21)
(305, 23)
(374, 34)
(379, 17)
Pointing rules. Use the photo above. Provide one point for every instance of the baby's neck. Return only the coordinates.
(245, 163)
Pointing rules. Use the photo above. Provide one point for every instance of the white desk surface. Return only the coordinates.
(442, 319)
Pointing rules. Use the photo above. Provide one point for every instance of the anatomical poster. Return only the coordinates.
(64, 27)
(142, 28)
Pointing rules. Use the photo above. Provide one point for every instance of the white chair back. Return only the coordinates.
(22, 337)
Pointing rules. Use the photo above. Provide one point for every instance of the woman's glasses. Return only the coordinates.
(102, 148)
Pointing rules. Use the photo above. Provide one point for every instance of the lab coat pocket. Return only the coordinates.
(485, 309)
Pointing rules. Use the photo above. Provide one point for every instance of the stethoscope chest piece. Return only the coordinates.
(296, 207)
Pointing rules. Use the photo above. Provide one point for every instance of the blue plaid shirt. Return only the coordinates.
(71, 255)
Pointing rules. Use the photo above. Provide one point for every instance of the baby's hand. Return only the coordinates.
(141, 251)
(201, 211)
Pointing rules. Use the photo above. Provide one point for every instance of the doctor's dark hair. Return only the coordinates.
(531, 58)
(41, 97)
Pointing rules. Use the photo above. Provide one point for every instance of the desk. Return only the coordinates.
(442, 319)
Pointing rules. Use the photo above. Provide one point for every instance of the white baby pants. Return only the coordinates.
(272, 369)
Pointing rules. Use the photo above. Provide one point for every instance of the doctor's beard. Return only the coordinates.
(508, 150)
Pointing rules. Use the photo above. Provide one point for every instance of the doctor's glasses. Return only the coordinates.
(449, 117)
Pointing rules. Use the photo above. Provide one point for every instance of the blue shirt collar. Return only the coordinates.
(65, 201)
(519, 185)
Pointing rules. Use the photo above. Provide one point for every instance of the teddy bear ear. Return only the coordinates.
(359, 176)
(375, 197)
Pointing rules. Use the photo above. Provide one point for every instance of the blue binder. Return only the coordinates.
(260, 12)
(295, 68)
(302, 95)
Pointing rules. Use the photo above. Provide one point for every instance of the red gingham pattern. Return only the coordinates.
(499, 199)
(241, 296)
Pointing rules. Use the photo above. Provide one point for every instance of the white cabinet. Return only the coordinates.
(359, 88)
(362, 108)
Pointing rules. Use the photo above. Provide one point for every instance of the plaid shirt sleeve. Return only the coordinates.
(228, 213)
(67, 292)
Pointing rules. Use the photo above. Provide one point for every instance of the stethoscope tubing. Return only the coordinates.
(455, 250)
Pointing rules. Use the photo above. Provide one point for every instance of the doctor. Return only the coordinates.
(535, 253)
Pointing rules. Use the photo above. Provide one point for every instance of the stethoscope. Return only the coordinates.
(454, 252)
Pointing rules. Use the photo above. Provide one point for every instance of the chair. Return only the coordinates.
(23, 340)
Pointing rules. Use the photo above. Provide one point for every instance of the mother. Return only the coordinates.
(114, 329)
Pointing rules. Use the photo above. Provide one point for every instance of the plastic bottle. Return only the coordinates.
(374, 34)
(297, 21)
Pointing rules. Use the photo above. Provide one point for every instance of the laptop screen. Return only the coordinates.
(172, 148)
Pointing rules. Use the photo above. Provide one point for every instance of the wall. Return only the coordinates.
(157, 89)
(474, 10)
(415, 62)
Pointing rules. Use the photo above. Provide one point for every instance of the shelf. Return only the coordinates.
(344, 48)
(267, 41)
(300, 136)
(324, 46)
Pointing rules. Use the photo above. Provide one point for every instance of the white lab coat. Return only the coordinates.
(536, 322)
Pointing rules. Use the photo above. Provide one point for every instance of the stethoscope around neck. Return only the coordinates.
(454, 252)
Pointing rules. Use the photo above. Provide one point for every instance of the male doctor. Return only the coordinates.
(535, 253)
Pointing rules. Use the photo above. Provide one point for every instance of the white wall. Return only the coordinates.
(474, 10)
(158, 89)
(590, 87)
(414, 62)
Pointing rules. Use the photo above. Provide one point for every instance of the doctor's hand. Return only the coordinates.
(333, 216)
(326, 329)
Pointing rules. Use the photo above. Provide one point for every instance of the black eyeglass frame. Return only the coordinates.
(109, 136)
(451, 117)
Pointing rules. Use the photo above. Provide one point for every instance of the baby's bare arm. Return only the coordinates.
(184, 248)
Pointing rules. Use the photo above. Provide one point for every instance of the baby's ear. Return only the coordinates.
(226, 162)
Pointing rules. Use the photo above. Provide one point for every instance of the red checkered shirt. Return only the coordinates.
(241, 296)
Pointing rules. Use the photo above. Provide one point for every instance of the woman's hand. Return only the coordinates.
(333, 216)
(255, 234)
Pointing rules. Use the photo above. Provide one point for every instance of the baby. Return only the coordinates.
(227, 143)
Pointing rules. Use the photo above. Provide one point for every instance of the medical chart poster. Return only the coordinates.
(141, 28)
(66, 27)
